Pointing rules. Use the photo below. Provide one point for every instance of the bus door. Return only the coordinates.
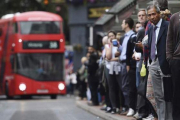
(3, 46)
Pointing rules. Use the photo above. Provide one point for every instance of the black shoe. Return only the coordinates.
(92, 104)
(115, 110)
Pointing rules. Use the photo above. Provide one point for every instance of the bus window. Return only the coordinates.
(12, 62)
(40, 66)
(40, 27)
(15, 28)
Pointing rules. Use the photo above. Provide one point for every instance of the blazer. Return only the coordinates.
(161, 46)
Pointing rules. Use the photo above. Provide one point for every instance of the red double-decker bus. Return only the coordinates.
(32, 54)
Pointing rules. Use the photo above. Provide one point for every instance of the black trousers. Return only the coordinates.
(107, 99)
(82, 89)
(131, 85)
(114, 82)
(93, 86)
(175, 71)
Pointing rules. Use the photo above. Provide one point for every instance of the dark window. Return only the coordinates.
(40, 27)
(15, 28)
(1, 31)
(41, 66)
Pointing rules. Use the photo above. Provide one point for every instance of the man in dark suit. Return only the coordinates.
(158, 65)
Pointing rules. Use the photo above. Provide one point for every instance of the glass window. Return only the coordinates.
(40, 27)
(40, 66)
(15, 28)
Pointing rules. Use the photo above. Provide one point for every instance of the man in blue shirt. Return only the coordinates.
(127, 26)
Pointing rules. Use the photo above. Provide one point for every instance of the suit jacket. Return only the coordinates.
(140, 36)
(161, 46)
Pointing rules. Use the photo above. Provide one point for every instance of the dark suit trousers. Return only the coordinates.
(175, 70)
(132, 93)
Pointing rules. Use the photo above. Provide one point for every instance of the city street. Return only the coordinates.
(43, 108)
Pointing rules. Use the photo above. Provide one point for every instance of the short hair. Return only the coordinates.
(130, 22)
(154, 6)
(142, 10)
(111, 31)
(138, 23)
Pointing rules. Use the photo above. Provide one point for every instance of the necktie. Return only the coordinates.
(153, 43)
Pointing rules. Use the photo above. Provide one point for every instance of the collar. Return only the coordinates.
(129, 33)
(159, 23)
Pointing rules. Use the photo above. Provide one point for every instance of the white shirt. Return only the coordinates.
(158, 25)
(124, 45)
(113, 66)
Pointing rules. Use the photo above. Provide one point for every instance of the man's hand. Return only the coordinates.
(117, 54)
(128, 68)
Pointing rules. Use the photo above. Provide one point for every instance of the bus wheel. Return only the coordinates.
(53, 96)
(7, 91)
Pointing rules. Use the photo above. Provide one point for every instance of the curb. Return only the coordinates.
(102, 114)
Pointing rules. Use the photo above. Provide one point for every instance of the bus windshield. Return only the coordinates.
(40, 66)
(40, 27)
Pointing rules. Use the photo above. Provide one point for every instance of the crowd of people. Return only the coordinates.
(137, 73)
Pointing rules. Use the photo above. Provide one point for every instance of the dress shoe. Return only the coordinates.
(130, 112)
(92, 104)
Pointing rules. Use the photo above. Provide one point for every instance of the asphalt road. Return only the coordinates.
(42, 108)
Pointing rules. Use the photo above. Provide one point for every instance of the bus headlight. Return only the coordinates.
(61, 86)
(22, 87)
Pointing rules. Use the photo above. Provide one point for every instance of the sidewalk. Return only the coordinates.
(100, 113)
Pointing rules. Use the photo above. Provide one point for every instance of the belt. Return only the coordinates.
(123, 61)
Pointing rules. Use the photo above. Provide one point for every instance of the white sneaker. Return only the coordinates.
(150, 117)
(136, 115)
(130, 112)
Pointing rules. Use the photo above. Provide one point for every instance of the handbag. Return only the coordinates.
(143, 70)
(168, 88)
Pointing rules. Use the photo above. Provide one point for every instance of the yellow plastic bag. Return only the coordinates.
(143, 71)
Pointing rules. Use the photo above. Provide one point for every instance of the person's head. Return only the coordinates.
(153, 13)
(111, 35)
(105, 40)
(118, 36)
(83, 60)
(142, 16)
(127, 24)
(90, 49)
(138, 25)
(162, 4)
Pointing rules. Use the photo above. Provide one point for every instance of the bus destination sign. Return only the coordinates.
(40, 45)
